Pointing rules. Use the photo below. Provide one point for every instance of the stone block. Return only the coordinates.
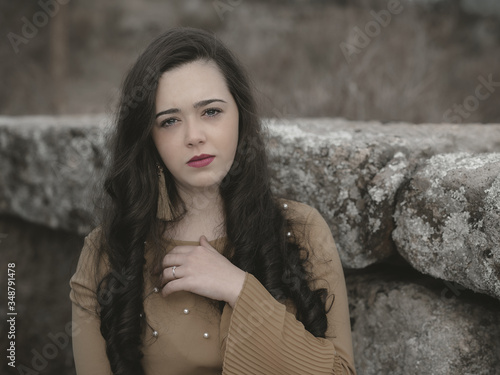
(417, 325)
(448, 220)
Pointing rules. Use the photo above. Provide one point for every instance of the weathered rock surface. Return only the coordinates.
(421, 327)
(448, 220)
(48, 169)
(350, 171)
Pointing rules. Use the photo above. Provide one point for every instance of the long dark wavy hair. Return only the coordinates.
(255, 225)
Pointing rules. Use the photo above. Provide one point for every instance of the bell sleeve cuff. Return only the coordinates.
(264, 338)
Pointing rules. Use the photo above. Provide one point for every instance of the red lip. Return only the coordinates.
(200, 157)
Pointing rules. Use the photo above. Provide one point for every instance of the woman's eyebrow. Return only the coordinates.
(199, 104)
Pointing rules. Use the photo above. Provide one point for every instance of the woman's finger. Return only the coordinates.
(171, 260)
(171, 287)
(204, 242)
(170, 274)
(183, 249)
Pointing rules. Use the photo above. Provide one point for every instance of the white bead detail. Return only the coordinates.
(140, 315)
(155, 333)
(288, 234)
(186, 311)
(156, 290)
(285, 206)
(206, 335)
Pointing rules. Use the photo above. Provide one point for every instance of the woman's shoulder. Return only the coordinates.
(297, 210)
(95, 236)
(91, 254)
(308, 223)
(90, 269)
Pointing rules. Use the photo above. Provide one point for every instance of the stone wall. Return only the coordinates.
(414, 209)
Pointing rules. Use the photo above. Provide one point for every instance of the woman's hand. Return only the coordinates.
(201, 270)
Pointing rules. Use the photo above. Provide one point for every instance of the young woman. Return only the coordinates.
(197, 267)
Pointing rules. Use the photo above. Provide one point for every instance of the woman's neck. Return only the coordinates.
(205, 215)
(204, 203)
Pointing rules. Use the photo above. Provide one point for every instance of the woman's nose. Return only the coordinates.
(195, 133)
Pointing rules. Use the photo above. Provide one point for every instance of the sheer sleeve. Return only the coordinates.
(89, 349)
(264, 338)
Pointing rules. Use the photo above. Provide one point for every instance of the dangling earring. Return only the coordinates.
(164, 211)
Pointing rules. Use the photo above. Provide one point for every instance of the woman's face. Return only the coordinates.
(195, 115)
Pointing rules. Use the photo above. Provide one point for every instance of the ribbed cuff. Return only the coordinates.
(264, 338)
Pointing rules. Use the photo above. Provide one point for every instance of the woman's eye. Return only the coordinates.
(211, 112)
(168, 122)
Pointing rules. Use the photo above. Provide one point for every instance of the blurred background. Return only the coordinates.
(419, 61)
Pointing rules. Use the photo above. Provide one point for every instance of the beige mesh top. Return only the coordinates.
(187, 334)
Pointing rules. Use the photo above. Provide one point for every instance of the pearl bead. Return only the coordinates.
(206, 335)
(186, 311)
(156, 290)
(288, 234)
(140, 315)
(155, 333)
(285, 206)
